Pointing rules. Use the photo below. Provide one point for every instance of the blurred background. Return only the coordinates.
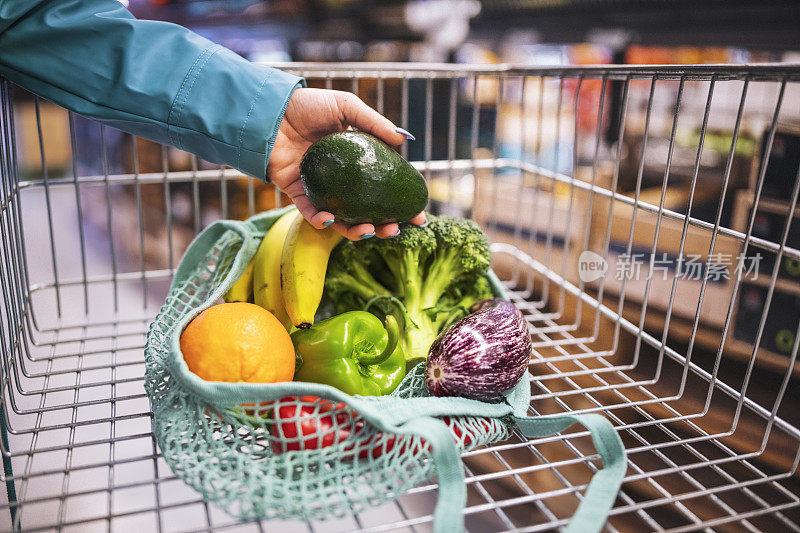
(107, 216)
(490, 32)
(567, 124)
(510, 118)
(524, 32)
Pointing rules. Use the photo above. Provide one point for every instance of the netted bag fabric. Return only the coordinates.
(301, 450)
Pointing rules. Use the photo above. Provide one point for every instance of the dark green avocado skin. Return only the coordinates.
(359, 179)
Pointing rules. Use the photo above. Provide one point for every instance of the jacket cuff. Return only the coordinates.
(260, 127)
(228, 110)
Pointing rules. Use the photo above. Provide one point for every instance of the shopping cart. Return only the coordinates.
(620, 203)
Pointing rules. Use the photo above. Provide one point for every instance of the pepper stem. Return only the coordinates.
(393, 332)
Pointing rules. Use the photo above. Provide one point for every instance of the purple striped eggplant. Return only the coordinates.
(482, 355)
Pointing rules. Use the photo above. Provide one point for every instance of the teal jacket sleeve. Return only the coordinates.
(153, 79)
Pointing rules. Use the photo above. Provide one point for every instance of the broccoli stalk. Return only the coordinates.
(348, 274)
(357, 281)
(406, 257)
(435, 272)
(443, 269)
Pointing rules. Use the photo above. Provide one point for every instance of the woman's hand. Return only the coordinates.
(310, 115)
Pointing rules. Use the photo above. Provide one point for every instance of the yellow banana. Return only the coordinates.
(303, 264)
(267, 271)
(242, 290)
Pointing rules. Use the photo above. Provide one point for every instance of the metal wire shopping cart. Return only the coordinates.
(643, 218)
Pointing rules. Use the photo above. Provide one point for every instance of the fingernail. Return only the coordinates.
(327, 223)
(425, 225)
(407, 133)
(367, 235)
(395, 235)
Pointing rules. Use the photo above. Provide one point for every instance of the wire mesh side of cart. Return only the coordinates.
(620, 203)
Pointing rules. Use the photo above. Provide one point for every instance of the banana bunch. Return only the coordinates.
(287, 274)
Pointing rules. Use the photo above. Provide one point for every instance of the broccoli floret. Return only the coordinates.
(459, 258)
(348, 281)
(405, 257)
(462, 255)
(436, 273)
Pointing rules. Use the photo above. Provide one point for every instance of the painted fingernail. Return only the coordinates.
(425, 225)
(407, 133)
(367, 235)
(327, 223)
(395, 235)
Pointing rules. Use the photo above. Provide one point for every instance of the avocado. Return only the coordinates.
(359, 179)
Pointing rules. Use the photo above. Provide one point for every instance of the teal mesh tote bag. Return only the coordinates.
(308, 451)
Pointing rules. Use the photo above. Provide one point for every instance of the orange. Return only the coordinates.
(238, 342)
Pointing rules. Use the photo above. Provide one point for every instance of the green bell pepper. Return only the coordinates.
(352, 352)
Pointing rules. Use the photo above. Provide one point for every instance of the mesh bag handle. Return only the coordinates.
(448, 516)
(419, 416)
(605, 484)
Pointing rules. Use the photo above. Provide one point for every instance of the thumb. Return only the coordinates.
(362, 117)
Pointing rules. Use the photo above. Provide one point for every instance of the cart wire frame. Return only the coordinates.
(710, 440)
